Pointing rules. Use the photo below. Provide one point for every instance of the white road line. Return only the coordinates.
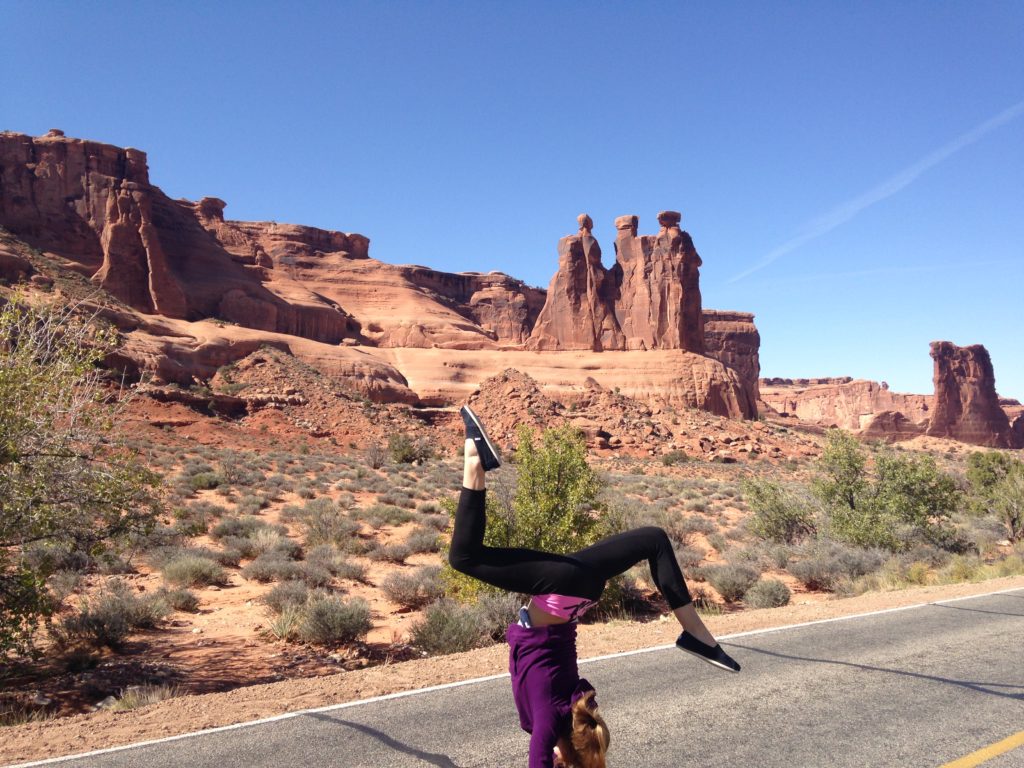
(475, 680)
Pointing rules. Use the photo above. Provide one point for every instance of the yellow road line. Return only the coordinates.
(987, 753)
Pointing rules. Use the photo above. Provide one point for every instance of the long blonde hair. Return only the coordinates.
(589, 739)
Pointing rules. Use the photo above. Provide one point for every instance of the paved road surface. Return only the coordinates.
(917, 687)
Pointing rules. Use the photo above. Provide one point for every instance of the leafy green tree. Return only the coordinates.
(1008, 502)
(779, 515)
(65, 484)
(907, 497)
(986, 470)
(554, 506)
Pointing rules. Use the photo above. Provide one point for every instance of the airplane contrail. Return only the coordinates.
(846, 211)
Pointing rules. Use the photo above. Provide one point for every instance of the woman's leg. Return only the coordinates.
(525, 571)
(616, 554)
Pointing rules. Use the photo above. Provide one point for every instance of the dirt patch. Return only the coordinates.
(83, 733)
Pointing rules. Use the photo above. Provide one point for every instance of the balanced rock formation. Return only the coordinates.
(579, 310)
(657, 286)
(966, 406)
(650, 299)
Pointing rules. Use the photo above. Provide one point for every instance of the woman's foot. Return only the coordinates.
(711, 654)
(475, 432)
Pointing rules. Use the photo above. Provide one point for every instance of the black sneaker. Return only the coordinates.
(484, 446)
(712, 655)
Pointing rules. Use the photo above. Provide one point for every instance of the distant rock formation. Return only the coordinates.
(650, 299)
(843, 402)
(733, 340)
(966, 405)
(891, 426)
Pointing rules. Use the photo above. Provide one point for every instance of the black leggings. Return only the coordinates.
(581, 574)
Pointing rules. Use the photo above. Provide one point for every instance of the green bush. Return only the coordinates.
(674, 457)
(779, 515)
(415, 589)
(205, 481)
(68, 479)
(193, 571)
(404, 450)
(908, 499)
(1008, 502)
(450, 627)
(732, 580)
(332, 621)
(767, 593)
(244, 527)
(556, 506)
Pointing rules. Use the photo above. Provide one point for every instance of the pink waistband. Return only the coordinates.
(563, 606)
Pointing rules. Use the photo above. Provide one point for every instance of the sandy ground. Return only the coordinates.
(82, 733)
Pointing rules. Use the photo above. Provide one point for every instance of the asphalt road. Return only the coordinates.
(917, 687)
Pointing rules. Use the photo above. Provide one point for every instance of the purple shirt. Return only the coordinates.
(545, 684)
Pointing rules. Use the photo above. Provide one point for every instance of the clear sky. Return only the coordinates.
(851, 172)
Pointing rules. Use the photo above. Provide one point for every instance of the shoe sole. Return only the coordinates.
(705, 659)
(483, 433)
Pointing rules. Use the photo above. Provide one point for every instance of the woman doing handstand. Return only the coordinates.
(556, 707)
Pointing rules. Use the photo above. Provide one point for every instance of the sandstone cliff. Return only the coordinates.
(198, 290)
(966, 405)
(842, 402)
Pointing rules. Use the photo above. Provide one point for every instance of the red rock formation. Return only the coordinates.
(733, 340)
(650, 299)
(966, 404)
(92, 201)
(890, 426)
(578, 312)
(842, 402)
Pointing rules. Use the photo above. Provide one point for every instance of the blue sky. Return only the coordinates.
(852, 173)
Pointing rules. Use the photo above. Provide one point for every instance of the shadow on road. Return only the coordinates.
(976, 610)
(980, 687)
(443, 761)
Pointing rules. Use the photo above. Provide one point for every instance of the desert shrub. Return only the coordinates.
(779, 515)
(423, 540)
(287, 593)
(985, 471)
(767, 593)
(404, 450)
(190, 521)
(273, 567)
(823, 564)
(414, 589)
(438, 522)
(674, 457)
(244, 527)
(251, 505)
(497, 610)
(181, 599)
(430, 507)
(328, 620)
(189, 570)
(285, 625)
(696, 505)
(384, 514)
(205, 481)
(326, 523)
(137, 696)
(107, 619)
(450, 627)
(63, 584)
(908, 499)
(689, 556)
(398, 498)
(815, 573)
(391, 553)
(718, 542)
(731, 581)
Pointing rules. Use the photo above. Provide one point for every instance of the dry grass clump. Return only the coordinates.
(414, 589)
